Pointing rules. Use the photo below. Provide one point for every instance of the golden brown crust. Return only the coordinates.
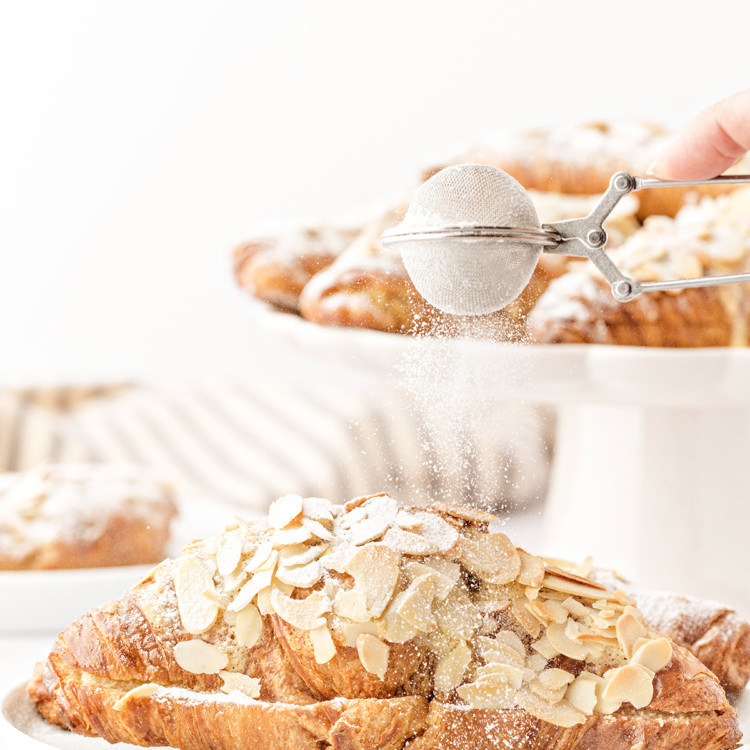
(130, 644)
(715, 633)
(474, 729)
(580, 309)
(275, 267)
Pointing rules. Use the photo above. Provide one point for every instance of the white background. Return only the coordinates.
(140, 141)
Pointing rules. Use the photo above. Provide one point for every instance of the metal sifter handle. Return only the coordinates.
(586, 237)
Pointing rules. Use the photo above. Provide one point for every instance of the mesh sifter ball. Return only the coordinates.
(452, 264)
(471, 239)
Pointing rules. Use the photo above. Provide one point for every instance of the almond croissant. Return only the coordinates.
(371, 625)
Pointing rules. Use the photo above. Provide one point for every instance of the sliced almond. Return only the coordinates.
(544, 647)
(301, 576)
(375, 569)
(234, 581)
(373, 654)
(548, 610)
(654, 655)
(352, 605)
(323, 647)
(491, 556)
(450, 669)
(457, 617)
(377, 515)
(284, 510)
(408, 543)
(629, 684)
(511, 640)
(576, 608)
(263, 601)
(569, 574)
(492, 598)
(318, 529)
(554, 679)
(393, 627)
(248, 626)
(535, 663)
(440, 534)
(525, 619)
(291, 535)
(416, 604)
(502, 654)
(318, 509)
(563, 643)
(305, 614)
(406, 520)
(490, 693)
(300, 554)
(229, 552)
(336, 558)
(507, 673)
(350, 631)
(236, 681)
(259, 557)
(629, 629)
(532, 569)
(569, 586)
(465, 515)
(561, 714)
(142, 691)
(441, 645)
(249, 591)
(443, 584)
(196, 594)
(357, 502)
(199, 657)
(581, 693)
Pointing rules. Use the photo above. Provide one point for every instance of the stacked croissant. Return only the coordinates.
(343, 275)
(374, 626)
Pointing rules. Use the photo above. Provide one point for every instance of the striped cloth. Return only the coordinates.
(248, 444)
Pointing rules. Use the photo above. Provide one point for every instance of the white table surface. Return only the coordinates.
(18, 654)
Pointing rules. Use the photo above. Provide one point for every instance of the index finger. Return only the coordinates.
(710, 144)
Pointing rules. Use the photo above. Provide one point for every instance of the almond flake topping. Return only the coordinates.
(450, 669)
(369, 521)
(302, 576)
(249, 686)
(491, 556)
(300, 554)
(375, 569)
(230, 551)
(196, 594)
(373, 654)
(324, 648)
(199, 657)
(654, 655)
(305, 614)
(284, 510)
(416, 604)
(142, 691)
(248, 626)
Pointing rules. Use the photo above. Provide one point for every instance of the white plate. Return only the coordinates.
(33, 732)
(46, 601)
(545, 373)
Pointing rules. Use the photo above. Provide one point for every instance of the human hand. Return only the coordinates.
(711, 143)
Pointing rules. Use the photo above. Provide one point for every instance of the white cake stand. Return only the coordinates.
(651, 472)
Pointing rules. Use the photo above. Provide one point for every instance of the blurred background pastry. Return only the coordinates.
(83, 516)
